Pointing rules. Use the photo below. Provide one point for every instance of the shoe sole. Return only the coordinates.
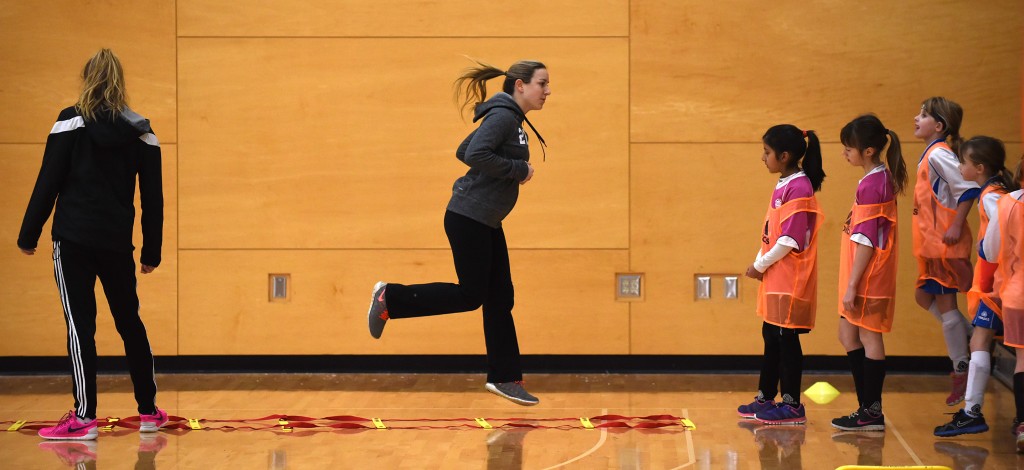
(369, 313)
(785, 422)
(747, 415)
(150, 427)
(510, 398)
(89, 436)
(958, 432)
(872, 427)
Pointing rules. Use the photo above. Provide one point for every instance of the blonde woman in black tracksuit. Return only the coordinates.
(498, 156)
(93, 154)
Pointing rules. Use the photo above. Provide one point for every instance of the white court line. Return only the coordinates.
(600, 442)
(689, 445)
(890, 425)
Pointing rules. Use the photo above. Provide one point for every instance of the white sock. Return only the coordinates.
(934, 308)
(977, 380)
(956, 339)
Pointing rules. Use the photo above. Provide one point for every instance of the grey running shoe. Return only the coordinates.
(512, 391)
(378, 314)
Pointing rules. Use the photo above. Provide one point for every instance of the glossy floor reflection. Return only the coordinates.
(913, 407)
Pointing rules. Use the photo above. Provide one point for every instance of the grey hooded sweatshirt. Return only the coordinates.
(496, 153)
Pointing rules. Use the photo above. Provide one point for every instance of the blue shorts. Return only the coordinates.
(933, 287)
(986, 318)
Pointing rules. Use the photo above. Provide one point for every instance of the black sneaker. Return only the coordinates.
(512, 391)
(377, 316)
(962, 423)
(863, 419)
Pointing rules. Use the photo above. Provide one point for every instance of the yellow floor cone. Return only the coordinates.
(821, 393)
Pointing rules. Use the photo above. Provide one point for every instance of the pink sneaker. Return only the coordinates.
(959, 388)
(153, 422)
(71, 428)
(1020, 438)
(71, 453)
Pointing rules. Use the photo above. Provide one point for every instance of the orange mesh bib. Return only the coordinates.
(983, 289)
(788, 295)
(948, 265)
(1010, 273)
(875, 302)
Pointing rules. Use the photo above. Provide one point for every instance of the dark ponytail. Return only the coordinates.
(991, 152)
(894, 160)
(867, 131)
(812, 161)
(789, 138)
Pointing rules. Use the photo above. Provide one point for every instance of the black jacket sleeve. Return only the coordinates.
(52, 174)
(151, 194)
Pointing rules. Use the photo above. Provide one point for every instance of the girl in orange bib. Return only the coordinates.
(787, 266)
(867, 265)
(1009, 282)
(984, 162)
(942, 241)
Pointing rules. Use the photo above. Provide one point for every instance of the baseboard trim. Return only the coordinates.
(672, 364)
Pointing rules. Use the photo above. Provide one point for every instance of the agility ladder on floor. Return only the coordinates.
(290, 423)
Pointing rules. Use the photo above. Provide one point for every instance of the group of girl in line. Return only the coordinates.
(951, 174)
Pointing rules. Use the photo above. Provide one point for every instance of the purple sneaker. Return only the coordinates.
(755, 407)
(783, 413)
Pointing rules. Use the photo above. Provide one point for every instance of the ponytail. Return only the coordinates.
(1008, 181)
(956, 142)
(894, 160)
(812, 161)
(472, 84)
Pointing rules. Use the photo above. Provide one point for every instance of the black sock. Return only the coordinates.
(1018, 392)
(856, 358)
(768, 385)
(874, 377)
(792, 366)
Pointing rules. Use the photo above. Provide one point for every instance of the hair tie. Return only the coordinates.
(804, 133)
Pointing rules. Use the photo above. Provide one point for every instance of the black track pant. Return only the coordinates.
(76, 268)
(485, 279)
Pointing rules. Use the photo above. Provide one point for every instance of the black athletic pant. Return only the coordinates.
(783, 363)
(485, 279)
(76, 268)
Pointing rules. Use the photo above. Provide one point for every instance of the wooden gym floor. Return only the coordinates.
(913, 407)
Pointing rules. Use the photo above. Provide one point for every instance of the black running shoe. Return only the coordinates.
(962, 423)
(861, 420)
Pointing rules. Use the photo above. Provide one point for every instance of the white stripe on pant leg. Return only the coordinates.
(74, 345)
(75, 351)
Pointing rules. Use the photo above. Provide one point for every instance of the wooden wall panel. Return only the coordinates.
(400, 18)
(357, 149)
(713, 226)
(46, 44)
(717, 71)
(564, 303)
(32, 317)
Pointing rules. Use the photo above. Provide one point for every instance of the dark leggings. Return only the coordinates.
(485, 279)
(783, 363)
